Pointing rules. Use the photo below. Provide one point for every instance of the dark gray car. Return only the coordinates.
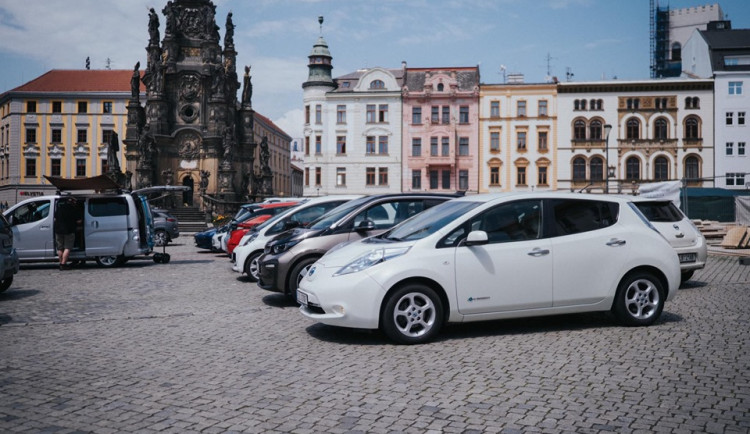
(166, 227)
(8, 255)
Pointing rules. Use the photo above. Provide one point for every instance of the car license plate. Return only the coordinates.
(688, 257)
(302, 298)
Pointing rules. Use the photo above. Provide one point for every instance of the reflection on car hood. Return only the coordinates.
(294, 235)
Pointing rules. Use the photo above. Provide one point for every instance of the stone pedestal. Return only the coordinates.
(225, 180)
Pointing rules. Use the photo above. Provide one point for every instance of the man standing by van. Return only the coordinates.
(66, 220)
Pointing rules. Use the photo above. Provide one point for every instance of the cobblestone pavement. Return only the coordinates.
(188, 346)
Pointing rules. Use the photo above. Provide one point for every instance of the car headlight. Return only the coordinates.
(249, 239)
(283, 247)
(371, 258)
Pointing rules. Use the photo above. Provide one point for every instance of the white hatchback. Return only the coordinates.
(496, 256)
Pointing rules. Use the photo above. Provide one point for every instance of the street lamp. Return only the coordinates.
(607, 129)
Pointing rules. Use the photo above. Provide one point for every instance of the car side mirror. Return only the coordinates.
(365, 225)
(476, 238)
(291, 225)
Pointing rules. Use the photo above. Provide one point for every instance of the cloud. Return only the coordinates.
(291, 122)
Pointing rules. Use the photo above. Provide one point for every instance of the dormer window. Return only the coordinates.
(377, 84)
(440, 87)
(345, 84)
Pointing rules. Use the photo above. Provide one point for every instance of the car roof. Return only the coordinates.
(491, 197)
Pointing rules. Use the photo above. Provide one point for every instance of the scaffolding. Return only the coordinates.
(659, 41)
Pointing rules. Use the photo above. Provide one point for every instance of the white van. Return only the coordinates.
(116, 226)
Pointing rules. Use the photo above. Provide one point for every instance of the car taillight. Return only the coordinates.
(171, 220)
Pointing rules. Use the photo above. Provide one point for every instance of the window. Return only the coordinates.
(56, 106)
(633, 128)
(318, 114)
(495, 141)
(383, 145)
(691, 128)
(521, 107)
(440, 87)
(463, 146)
(307, 145)
(383, 113)
(741, 148)
(107, 206)
(543, 108)
(521, 140)
(735, 88)
(577, 105)
(104, 167)
(370, 176)
(433, 179)
(377, 84)
(596, 172)
(416, 115)
(521, 176)
(370, 113)
(463, 114)
(730, 118)
(542, 178)
(692, 168)
(318, 145)
(579, 130)
(632, 169)
(82, 136)
(740, 118)
(341, 114)
(31, 212)
(433, 146)
(446, 177)
(107, 107)
(383, 176)
(445, 147)
(318, 176)
(340, 177)
(595, 130)
(463, 180)
(660, 129)
(446, 114)
(733, 179)
(676, 51)
(30, 135)
(80, 167)
(416, 147)
(31, 167)
(573, 216)
(31, 106)
(370, 145)
(661, 169)
(83, 107)
(730, 148)
(435, 115)
(494, 176)
(515, 221)
(579, 169)
(307, 114)
(307, 176)
(340, 145)
(56, 135)
(416, 179)
(661, 103)
(106, 136)
(633, 103)
(495, 109)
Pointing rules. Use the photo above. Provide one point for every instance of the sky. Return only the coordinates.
(592, 39)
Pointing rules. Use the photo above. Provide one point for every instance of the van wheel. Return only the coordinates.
(160, 238)
(5, 283)
(110, 261)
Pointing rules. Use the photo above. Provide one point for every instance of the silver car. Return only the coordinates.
(166, 227)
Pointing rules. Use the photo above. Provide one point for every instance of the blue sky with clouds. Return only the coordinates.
(594, 39)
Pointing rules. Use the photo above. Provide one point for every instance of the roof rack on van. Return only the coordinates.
(97, 183)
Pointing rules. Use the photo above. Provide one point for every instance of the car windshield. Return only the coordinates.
(269, 222)
(660, 212)
(336, 214)
(429, 221)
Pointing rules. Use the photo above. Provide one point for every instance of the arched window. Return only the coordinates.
(595, 130)
(691, 128)
(579, 169)
(576, 105)
(696, 102)
(592, 104)
(583, 104)
(599, 104)
(688, 102)
(632, 169)
(440, 87)
(377, 84)
(633, 128)
(660, 129)
(579, 130)
(676, 51)
(692, 168)
(661, 169)
(595, 169)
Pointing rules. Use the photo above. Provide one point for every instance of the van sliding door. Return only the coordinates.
(106, 225)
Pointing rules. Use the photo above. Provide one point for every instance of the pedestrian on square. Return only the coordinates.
(66, 222)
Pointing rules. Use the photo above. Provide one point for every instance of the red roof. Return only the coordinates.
(80, 80)
(270, 124)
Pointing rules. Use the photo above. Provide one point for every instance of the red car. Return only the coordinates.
(261, 214)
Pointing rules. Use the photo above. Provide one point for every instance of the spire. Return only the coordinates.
(319, 64)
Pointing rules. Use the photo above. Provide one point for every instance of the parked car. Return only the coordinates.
(208, 239)
(220, 241)
(234, 237)
(8, 256)
(681, 233)
(496, 256)
(250, 248)
(287, 257)
(166, 227)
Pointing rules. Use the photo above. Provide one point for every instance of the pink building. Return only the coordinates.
(440, 129)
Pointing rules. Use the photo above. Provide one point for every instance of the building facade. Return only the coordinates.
(518, 137)
(440, 129)
(280, 161)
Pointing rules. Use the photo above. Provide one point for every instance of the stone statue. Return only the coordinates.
(146, 147)
(169, 14)
(128, 180)
(229, 36)
(168, 176)
(211, 31)
(228, 145)
(217, 82)
(113, 164)
(153, 27)
(135, 83)
(247, 90)
(265, 154)
(204, 180)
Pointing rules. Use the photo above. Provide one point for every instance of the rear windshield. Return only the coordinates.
(660, 212)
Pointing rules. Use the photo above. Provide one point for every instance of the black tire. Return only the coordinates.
(166, 258)
(413, 314)
(298, 272)
(161, 238)
(686, 275)
(110, 261)
(252, 268)
(639, 300)
(5, 283)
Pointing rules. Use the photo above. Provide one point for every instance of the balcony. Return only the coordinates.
(588, 143)
(648, 144)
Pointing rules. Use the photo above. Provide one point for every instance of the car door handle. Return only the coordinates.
(44, 227)
(680, 235)
(538, 252)
(616, 243)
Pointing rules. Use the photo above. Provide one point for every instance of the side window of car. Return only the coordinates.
(108, 206)
(31, 212)
(382, 214)
(572, 216)
(514, 221)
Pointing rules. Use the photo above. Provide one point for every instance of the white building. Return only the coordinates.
(724, 54)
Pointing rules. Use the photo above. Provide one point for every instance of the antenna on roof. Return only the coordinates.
(88, 62)
(503, 69)
(108, 64)
(320, 20)
(568, 73)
